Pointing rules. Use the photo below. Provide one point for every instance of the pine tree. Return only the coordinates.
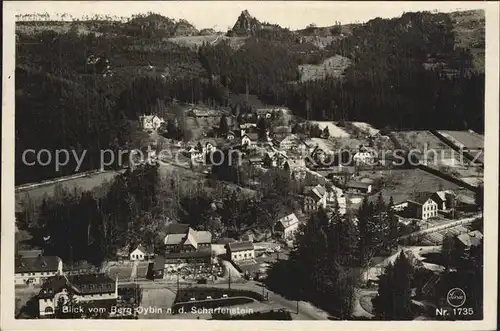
(380, 206)
(393, 301)
(326, 133)
(223, 126)
(393, 220)
(262, 128)
(479, 197)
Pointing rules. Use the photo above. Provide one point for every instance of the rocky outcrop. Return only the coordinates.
(246, 25)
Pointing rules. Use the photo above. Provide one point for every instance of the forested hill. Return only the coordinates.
(79, 84)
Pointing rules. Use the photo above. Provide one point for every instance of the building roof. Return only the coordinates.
(203, 237)
(190, 239)
(317, 191)
(159, 263)
(29, 253)
(282, 129)
(144, 250)
(255, 159)
(288, 221)
(358, 185)
(240, 246)
(442, 194)
(174, 239)
(81, 284)
(473, 238)
(92, 283)
(252, 136)
(36, 264)
(421, 197)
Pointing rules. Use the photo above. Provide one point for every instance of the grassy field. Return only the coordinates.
(419, 140)
(334, 144)
(335, 131)
(84, 183)
(158, 298)
(366, 127)
(466, 139)
(196, 41)
(401, 184)
(331, 67)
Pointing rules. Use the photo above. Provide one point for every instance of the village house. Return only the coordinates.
(314, 198)
(335, 197)
(365, 156)
(358, 187)
(344, 173)
(255, 160)
(141, 253)
(287, 226)
(230, 135)
(150, 122)
(469, 240)
(95, 288)
(196, 112)
(444, 199)
(296, 168)
(249, 139)
(240, 251)
(422, 206)
(289, 142)
(34, 270)
(274, 159)
(183, 240)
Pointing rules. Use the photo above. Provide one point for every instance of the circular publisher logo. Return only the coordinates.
(456, 297)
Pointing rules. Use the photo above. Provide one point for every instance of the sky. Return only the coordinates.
(222, 15)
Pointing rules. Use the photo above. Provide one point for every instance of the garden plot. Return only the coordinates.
(419, 140)
(365, 127)
(335, 131)
(467, 139)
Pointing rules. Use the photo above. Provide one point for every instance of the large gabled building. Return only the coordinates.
(34, 270)
(77, 290)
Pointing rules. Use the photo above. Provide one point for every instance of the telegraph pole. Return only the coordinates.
(229, 278)
(178, 285)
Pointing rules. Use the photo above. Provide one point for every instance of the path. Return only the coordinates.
(133, 274)
(439, 227)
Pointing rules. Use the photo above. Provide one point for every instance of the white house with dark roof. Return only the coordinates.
(422, 206)
(358, 187)
(249, 139)
(150, 122)
(141, 253)
(34, 270)
(287, 226)
(240, 251)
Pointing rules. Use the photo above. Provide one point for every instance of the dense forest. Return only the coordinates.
(81, 91)
(407, 73)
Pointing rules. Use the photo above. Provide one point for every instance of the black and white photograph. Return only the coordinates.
(268, 161)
